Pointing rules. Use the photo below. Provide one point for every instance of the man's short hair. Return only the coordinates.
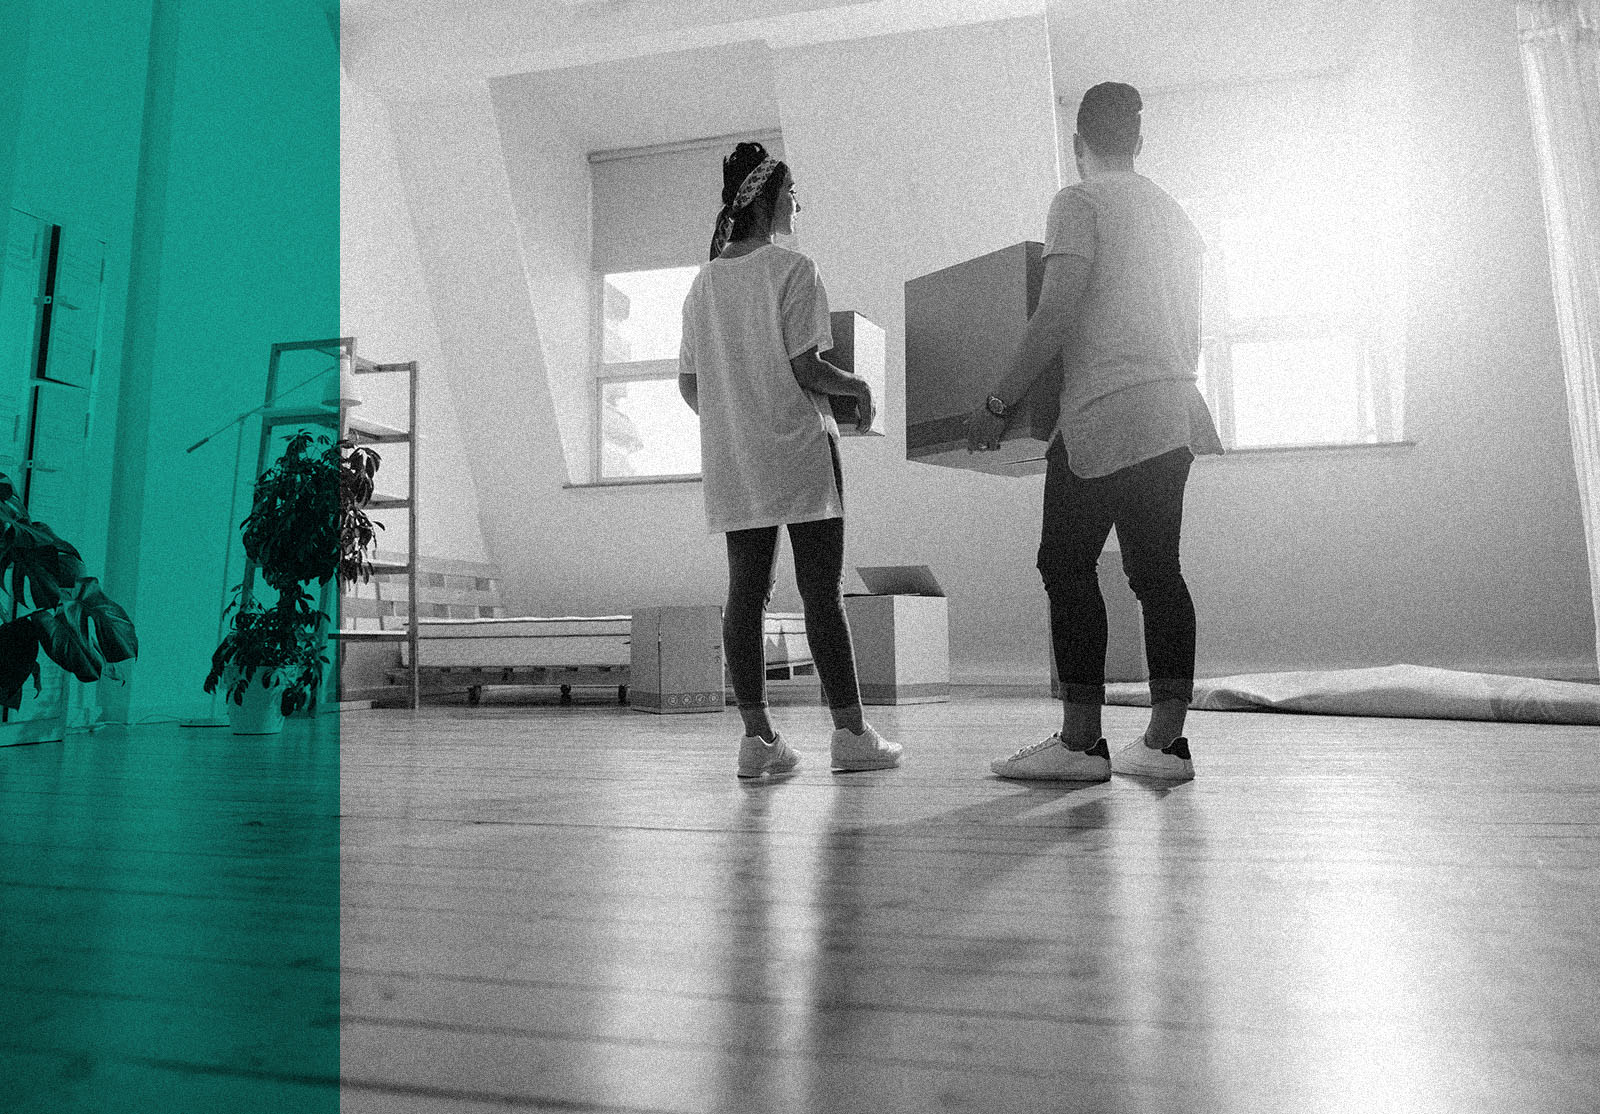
(1108, 119)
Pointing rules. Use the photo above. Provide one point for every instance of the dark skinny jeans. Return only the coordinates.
(1145, 503)
(819, 574)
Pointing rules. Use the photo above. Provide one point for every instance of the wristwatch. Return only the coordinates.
(996, 406)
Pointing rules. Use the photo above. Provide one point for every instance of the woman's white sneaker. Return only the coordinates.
(1171, 762)
(757, 756)
(866, 751)
(1053, 760)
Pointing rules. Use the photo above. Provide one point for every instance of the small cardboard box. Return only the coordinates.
(901, 631)
(858, 346)
(963, 325)
(675, 663)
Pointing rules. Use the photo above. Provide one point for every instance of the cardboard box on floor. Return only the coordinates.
(676, 660)
(901, 631)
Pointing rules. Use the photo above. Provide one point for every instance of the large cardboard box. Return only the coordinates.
(901, 633)
(858, 346)
(963, 325)
(676, 660)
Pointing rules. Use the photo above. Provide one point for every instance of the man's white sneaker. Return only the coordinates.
(866, 751)
(1172, 762)
(1052, 760)
(757, 756)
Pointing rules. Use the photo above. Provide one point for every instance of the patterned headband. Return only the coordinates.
(751, 186)
(748, 189)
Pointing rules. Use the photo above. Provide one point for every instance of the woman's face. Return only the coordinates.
(787, 208)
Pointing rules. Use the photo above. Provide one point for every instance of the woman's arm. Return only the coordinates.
(814, 373)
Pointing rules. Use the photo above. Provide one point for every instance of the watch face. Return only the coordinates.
(995, 406)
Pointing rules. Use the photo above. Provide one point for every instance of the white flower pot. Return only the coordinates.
(262, 711)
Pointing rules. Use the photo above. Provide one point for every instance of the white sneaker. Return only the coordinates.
(757, 756)
(1052, 760)
(866, 751)
(1172, 762)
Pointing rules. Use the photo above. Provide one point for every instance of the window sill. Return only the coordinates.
(633, 481)
(1294, 451)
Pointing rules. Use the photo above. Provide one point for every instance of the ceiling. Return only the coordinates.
(411, 47)
(638, 72)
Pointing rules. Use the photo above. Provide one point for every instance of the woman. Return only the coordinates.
(753, 324)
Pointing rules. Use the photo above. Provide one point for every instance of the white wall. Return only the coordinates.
(548, 173)
(1465, 551)
(384, 304)
(562, 551)
(918, 150)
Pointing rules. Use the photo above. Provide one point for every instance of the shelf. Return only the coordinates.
(289, 415)
(354, 428)
(364, 430)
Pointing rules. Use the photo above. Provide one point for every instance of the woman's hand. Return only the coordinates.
(866, 407)
(984, 430)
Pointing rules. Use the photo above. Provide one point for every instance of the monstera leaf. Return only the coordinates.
(19, 660)
(37, 558)
(65, 635)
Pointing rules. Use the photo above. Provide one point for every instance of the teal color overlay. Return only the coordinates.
(169, 895)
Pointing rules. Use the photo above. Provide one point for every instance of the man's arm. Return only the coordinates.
(1065, 279)
(689, 388)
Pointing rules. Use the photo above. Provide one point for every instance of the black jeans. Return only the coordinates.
(819, 574)
(1145, 503)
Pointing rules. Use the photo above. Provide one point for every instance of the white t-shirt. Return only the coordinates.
(1129, 391)
(765, 442)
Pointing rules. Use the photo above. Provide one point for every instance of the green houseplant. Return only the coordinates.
(306, 523)
(72, 620)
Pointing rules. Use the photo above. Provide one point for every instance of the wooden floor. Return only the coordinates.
(580, 909)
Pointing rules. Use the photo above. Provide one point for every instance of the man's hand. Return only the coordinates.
(984, 430)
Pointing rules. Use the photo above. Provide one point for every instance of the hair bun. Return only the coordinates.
(735, 167)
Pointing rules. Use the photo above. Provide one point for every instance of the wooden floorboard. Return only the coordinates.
(581, 909)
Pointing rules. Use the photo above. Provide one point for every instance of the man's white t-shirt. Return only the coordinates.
(766, 443)
(1129, 390)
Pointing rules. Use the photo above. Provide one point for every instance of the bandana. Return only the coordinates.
(749, 189)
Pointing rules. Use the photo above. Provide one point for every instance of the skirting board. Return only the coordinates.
(905, 694)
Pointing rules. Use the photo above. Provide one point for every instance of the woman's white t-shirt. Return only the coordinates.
(765, 442)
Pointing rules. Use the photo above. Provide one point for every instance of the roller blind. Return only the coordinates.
(655, 207)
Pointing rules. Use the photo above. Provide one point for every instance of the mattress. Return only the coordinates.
(1391, 691)
(570, 640)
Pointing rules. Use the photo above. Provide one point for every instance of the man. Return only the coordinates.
(1120, 302)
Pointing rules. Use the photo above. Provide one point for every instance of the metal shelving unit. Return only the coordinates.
(361, 431)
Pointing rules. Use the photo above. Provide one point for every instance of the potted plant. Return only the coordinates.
(73, 621)
(306, 523)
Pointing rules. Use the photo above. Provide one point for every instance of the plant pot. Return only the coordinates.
(261, 713)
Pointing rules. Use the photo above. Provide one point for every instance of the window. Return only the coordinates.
(653, 211)
(1299, 344)
(645, 428)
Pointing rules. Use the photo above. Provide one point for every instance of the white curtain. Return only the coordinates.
(1561, 65)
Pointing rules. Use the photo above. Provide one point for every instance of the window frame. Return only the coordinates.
(637, 371)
